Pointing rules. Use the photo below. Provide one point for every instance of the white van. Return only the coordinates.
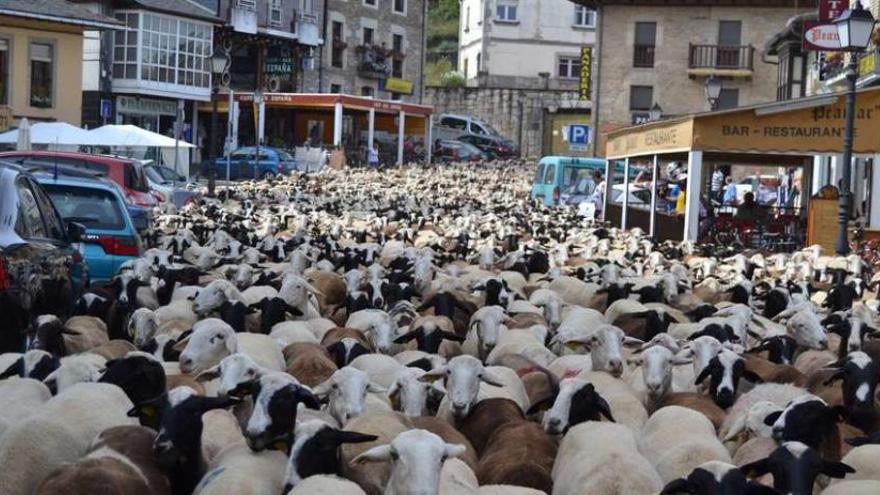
(453, 126)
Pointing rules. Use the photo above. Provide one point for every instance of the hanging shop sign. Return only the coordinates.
(586, 73)
(396, 85)
(280, 61)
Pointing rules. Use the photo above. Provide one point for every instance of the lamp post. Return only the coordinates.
(258, 102)
(713, 91)
(218, 65)
(655, 113)
(854, 28)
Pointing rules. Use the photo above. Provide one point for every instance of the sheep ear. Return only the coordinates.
(15, 369)
(231, 343)
(752, 376)
(452, 336)
(771, 418)
(381, 453)
(604, 408)
(322, 388)
(180, 345)
(736, 428)
(679, 485)
(683, 357)
(67, 331)
(836, 469)
(434, 375)
(394, 396)
(627, 340)
(454, 450)
(757, 468)
(209, 374)
(341, 437)
(308, 398)
(837, 375)
(407, 337)
(753, 488)
(488, 378)
(292, 310)
(377, 389)
(635, 361)
(703, 375)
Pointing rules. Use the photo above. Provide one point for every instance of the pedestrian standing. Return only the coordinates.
(717, 183)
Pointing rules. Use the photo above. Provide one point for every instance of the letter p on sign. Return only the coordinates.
(579, 134)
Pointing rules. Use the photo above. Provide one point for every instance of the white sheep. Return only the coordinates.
(378, 326)
(602, 458)
(22, 397)
(60, 432)
(381, 369)
(291, 332)
(79, 368)
(326, 484)
(213, 339)
(779, 394)
(677, 440)
(347, 391)
(467, 382)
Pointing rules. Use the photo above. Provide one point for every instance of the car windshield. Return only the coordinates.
(154, 175)
(94, 208)
(167, 174)
(284, 156)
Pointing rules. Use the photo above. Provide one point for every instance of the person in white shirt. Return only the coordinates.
(373, 156)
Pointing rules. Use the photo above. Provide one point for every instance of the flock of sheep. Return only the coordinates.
(425, 331)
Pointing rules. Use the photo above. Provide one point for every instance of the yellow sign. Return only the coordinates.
(5, 117)
(586, 72)
(868, 64)
(807, 130)
(396, 85)
(653, 138)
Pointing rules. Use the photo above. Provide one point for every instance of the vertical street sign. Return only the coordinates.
(586, 72)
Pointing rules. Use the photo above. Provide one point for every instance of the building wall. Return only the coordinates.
(355, 16)
(520, 115)
(676, 29)
(67, 76)
(544, 30)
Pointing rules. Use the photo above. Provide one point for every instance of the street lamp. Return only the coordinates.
(713, 91)
(854, 28)
(218, 65)
(655, 113)
(258, 102)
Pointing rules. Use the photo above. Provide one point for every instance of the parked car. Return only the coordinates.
(169, 185)
(454, 126)
(244, 164)
(494, 147)
(110, 238)
(558, 174)
(457, 151)
(40, 270)
(129, 174)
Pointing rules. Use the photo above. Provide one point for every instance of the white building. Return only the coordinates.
(523, 43)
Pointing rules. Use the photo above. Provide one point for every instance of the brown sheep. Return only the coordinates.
(309, 363)
(121, 460)
(771, 372)
(449, 434)
(486, 417)
(518, 453)
(335, 335)
(460, 304)
(698, 402)
(331, 289)
(526, 320)
(114, 349)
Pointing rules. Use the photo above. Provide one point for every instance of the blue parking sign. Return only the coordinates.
(578, 136)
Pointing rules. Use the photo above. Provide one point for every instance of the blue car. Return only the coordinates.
(110, 237)
(245, 165)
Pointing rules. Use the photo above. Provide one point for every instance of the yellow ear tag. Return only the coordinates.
(431, 378)
(572, 346)
(148, 411)
(280, 445)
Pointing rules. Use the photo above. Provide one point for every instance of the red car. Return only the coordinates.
(127, 173)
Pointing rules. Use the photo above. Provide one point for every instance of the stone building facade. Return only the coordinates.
(374, 48)
(650, 52)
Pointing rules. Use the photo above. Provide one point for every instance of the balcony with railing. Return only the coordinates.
(373, 61)
(722, 60)
(643, 56)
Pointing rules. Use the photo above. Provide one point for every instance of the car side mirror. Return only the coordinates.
(75, 231)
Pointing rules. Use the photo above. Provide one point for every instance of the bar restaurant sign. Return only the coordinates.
(396, 85)
(821, 34)
(279, 61)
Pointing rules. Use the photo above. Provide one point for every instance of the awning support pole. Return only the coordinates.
(401, 128)
(625, 203)
(337, 125)
(371, 128)
(653, 217)
(429, 140)
(692, 198)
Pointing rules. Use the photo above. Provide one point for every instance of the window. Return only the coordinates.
(479, 62)
(465, 68)
(397, 68)
(42, 69)
(584, 17)
(729, 41)
(506, 12)
(31, 219)
(175, 51)
(395, 96)
(569, 67)
(646, 39)
(275, 13)
(125, 47)
(400, 6)
(54, 226)
(4, 71)
(641, 98)
(467, 19)
(371, 3)
(454, 123)
(728, 99)
(335, 88)
(550, 174)
(367, 91)
(539, 174)
(368, 36)
(246, 4)
(99, 207)
(337, 48)
(397, 43)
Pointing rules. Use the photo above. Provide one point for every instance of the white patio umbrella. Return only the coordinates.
(23, 135)
(132, 137)
(51, 133)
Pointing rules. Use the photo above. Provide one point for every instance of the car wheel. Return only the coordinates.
(269, 175)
